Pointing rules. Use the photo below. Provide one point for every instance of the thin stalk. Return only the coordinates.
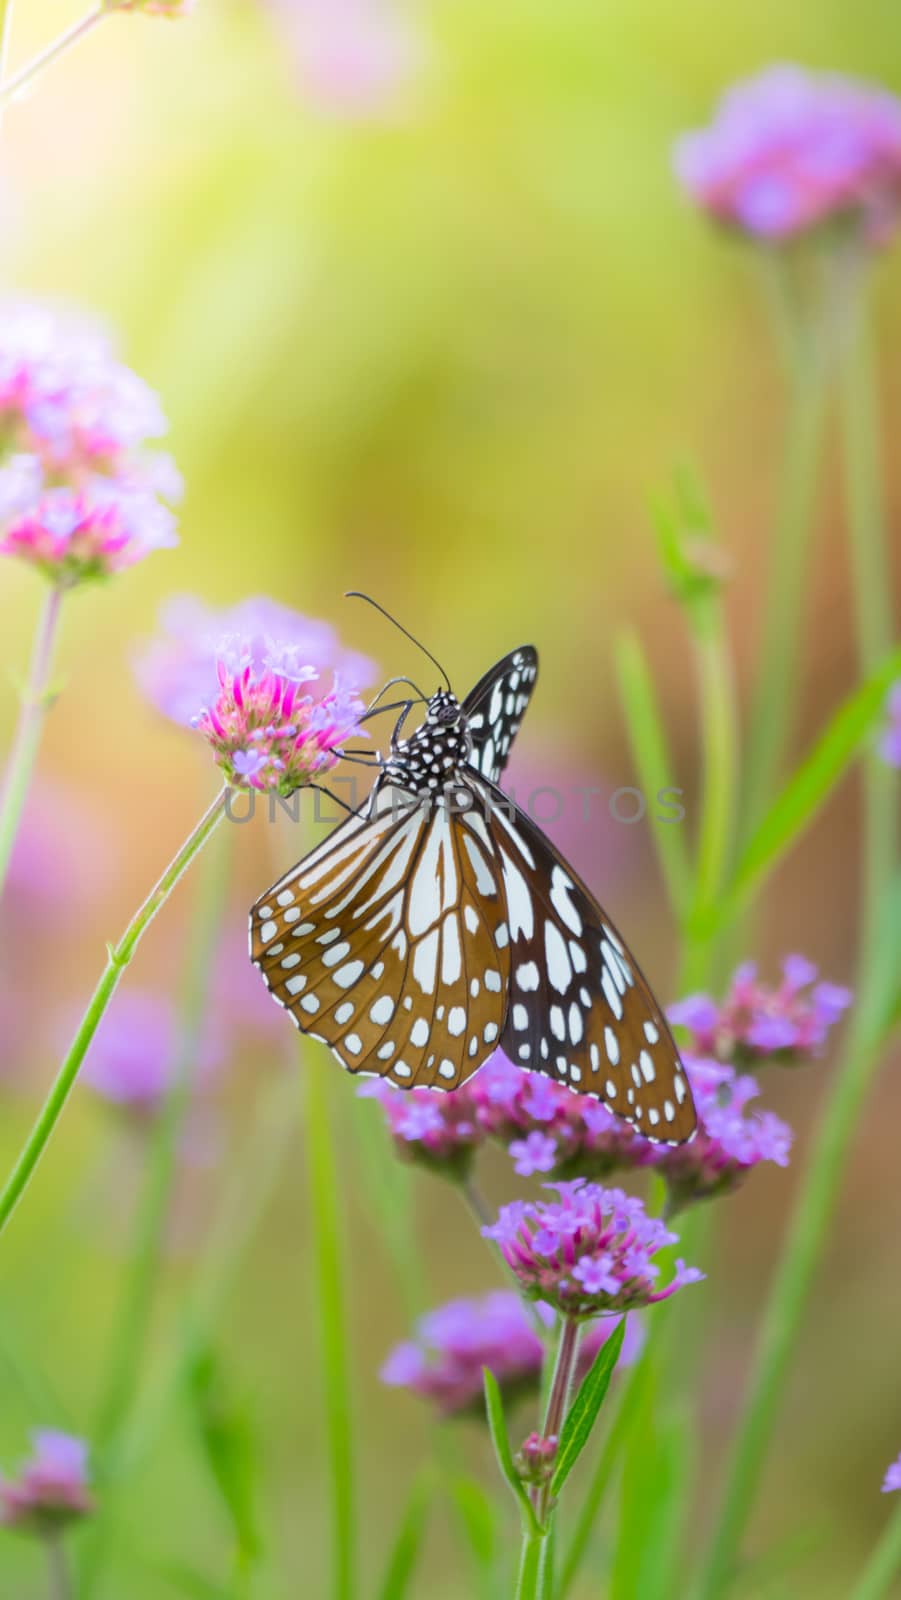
(532, 1556)
(716, 693)
(118, 959)
(872, 590)
(558, 1399)
(775, 698)
(823, 1179)
(884, 1564)
(59, 1585)
(145, 1254)
(36, 702)
(324, 1192)
(38, 63)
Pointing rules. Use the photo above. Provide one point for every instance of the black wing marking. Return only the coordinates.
(579, 1007)
(495, 708)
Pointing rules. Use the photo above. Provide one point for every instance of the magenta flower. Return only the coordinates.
(590, 1252)
(178, 672)
(72, 535)
(535, 1458)
(65, 398)
(730, 1141)
(240, 678)
(134, 1055)
(789, 1023)
(439, 1132)
(892, 1479)
(51, 1488)
(444, 1362)
(790, 151)
(890, 743)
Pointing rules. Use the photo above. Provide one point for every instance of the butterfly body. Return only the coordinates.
(442, 924)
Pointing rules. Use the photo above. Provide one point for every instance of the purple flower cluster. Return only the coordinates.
(892, 1479)
(548, 1128)
(52, 1487)
(79, 496)
(355, 58)
(444, 1362)
(239, 678)
(890, 743)
(789, 151)
(588, 1253)
(789, 1023)
(134, 1055)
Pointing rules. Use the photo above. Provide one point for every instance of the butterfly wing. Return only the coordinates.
(388, 943)
(495, 708)
(580, 1008)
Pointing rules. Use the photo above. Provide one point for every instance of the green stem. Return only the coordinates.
(883, 1565)
(532, 1559)
(775, 699)
(38, 63)
(822, 1182)
(59, 1587)
(872, 590)
(145, 1255)
(36, 701)
(654, 766)
(718, 732)
(324, 1191)
(119, 957)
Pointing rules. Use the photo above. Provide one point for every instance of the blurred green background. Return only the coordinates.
(446, 354)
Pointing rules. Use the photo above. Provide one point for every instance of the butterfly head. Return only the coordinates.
(444, 709)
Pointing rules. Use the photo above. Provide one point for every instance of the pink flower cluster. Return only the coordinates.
(355, 58)
(79, 496)
(790, 151)
(788, 1023)
(588, 1253)
(239, 676)
(51, 1488)
(548, 1128)
(443, 1362)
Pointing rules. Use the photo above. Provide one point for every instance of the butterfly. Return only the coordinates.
(442, 923)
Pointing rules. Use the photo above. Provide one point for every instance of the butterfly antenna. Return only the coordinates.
(357, 594)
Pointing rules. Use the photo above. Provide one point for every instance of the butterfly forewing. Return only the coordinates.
(388, 943)
(495, 708)
(580, 1009)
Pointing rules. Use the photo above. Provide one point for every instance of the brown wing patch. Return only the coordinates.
(390, 946)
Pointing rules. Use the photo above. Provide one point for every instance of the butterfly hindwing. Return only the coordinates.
(580, 1009)
(388, 944)
(495, 708)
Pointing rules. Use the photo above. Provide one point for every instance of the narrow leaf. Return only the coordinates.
(408, 1543)
(654, 764)
(583, 1412)
(478, 1517)
(497, 1427)
(810, 786)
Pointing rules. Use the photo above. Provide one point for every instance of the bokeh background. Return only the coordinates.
(439, 337)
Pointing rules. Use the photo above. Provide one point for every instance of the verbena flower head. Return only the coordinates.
(51, 1487)
(790, 151)
(443, 1362)
(589, 1252)
(789, 1023)
(242, 678)
(892, 1479)
(890, 743)
(534, 1460)
(730, 1140)
(65, 397)
(439, 1132)
(74, 535)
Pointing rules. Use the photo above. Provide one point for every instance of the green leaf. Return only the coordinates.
(654, 763)
(583, 1412)
(810, 786)
(497, 1427)
(408, 1544)
(478, 1517)
(226, 1435)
